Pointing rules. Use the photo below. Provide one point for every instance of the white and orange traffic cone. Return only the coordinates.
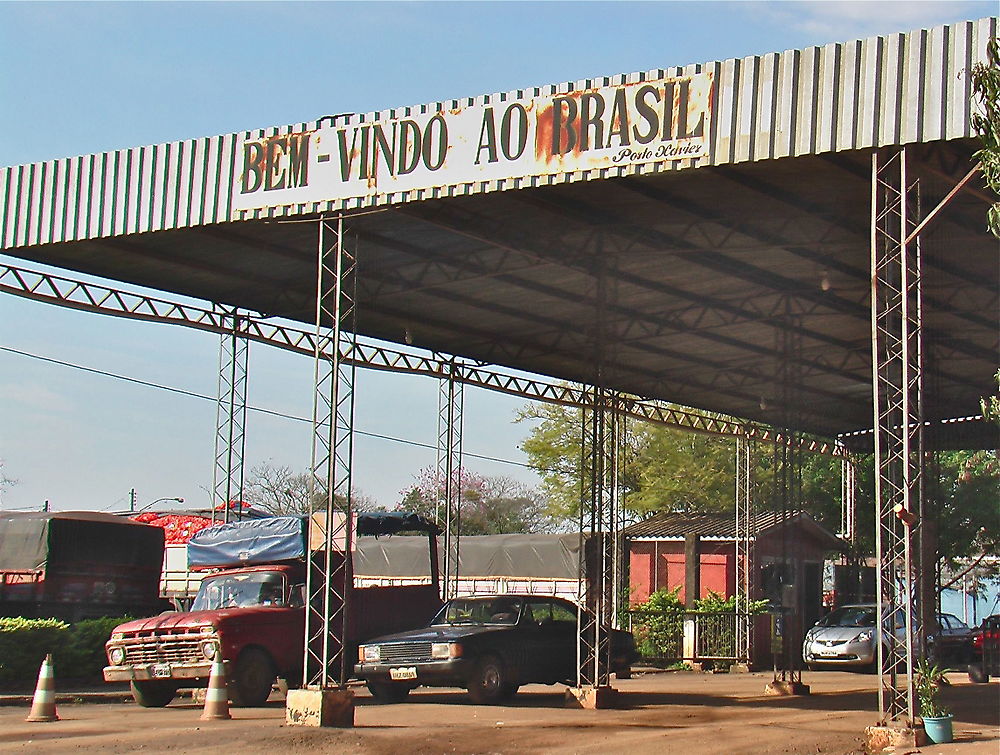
(217, 694)
(43, 704)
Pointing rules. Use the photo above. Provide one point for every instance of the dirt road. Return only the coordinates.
(687, 713)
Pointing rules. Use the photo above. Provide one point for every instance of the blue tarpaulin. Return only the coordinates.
(254, 541)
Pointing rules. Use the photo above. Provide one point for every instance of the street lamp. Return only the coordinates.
(153, 503)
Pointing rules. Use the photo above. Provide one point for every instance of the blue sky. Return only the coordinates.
(85, 77)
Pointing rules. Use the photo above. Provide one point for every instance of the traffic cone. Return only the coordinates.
(43, 704)
(217, 694)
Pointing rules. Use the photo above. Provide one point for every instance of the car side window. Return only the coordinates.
(562, 614)
(540, 612)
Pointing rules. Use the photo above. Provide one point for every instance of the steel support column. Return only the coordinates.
(847, 498)
(896, 378)
(448, 478)
(329, 578)
(746, 536)
(230, 415)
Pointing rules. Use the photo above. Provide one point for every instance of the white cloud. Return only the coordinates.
(36, 397)
(843, 20)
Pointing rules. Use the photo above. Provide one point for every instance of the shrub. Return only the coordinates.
(77, 649)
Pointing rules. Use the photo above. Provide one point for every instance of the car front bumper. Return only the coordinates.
(159, 671)
(451, 672)
(841, 654)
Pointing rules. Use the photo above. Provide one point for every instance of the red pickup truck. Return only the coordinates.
(251, 611)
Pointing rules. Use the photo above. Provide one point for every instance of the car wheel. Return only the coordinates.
(977, 674)
(387, 692)
(488, 684)
(154, 694)
(252, 679)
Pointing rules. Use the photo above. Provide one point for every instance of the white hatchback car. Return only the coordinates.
(846, 637)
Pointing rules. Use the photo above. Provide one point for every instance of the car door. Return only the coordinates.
(564, 618)
(539, 641)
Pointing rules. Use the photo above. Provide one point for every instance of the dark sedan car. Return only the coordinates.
(490, 645)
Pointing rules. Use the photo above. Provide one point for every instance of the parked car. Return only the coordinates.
(846, 637)
(490, 645)
(951, 644)
(985, 650)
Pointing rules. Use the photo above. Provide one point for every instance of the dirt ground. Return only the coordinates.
(682, 712)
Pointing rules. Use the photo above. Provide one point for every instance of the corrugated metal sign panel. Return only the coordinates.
(897, 89)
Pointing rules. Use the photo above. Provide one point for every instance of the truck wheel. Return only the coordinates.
(154, 694)
(977, 674)
(489, 685)
(387, 692)
(252, 679)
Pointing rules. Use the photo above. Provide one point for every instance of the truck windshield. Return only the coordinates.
(479, 611)
(239, 591)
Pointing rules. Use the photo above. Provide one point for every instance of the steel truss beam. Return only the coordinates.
(451, 404)
(897, 360)
(329, 577)
(746, 535)
(100, 299)
(230, 416)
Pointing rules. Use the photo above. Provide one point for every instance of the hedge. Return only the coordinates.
(77, 649)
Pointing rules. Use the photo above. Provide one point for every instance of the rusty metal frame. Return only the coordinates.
(448, 477)
(230, 416)
(101, 299)
(896, 377)
(329, 579)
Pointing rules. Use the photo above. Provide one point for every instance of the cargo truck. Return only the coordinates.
(250, 611)
(74, 565)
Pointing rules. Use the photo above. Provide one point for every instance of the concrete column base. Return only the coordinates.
(786, 689)
(739, 668)
(591, 698)
(881, 738)
(320, 707)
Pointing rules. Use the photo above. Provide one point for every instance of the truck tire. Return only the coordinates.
(977, 674)
(387, 692)
(252, 678)
(489, 685)
(154, 693)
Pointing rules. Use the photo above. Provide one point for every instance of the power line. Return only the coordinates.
(258, 409)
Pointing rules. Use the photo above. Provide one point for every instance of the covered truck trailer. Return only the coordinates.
(73, 565)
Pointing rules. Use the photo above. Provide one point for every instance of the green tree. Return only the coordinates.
(489, 505)
(986, 122)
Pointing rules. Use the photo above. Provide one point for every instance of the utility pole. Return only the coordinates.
(131, 500)
(45, 506)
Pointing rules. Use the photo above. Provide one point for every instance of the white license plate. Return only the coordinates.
(160, 671)
(828, 651)
(397, 674)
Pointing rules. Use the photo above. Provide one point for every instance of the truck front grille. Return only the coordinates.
(405, 652)
(176, 648)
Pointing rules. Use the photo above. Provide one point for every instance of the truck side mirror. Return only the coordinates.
(297, 596)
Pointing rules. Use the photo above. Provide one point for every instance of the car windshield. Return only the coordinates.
(479, 611)
(850, 616)
(239, 591)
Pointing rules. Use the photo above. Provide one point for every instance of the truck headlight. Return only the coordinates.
(209, 629)
(118, 636)
(445, 650)
(116, 656)
(208, 649)
(371, 653)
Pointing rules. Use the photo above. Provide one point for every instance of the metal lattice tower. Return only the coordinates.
(448, 477)
(896, 358)
(746, 535)
(230, 414)
(329, 578)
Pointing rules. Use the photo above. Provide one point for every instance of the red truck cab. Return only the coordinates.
(253, 615)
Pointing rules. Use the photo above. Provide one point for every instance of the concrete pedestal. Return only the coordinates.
(786, 689)
(881, 738)
(591, 698)
(320, 707)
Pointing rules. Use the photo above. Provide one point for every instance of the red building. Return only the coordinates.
(788, 556)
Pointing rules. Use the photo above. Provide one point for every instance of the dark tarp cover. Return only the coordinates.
(254, 541)
(48, 540)
(393, 522)
(532, 556)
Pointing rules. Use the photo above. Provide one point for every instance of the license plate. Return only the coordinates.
(398, 674)
(161, 671)
(828, 651)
